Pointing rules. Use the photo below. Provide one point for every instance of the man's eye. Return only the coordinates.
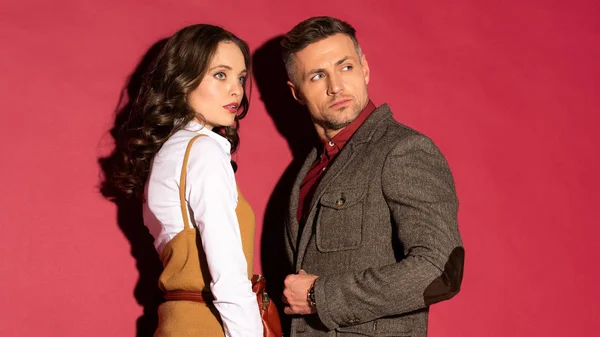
(348, 68)
(317, 77)
(220, 76)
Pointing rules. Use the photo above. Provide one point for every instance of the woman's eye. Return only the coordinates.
(242, 79)
(220, 76)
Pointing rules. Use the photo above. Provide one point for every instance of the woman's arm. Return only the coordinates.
(212, 196)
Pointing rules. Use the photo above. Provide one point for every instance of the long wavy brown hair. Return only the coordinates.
(161, 109)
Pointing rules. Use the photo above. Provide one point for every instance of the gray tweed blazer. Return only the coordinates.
(381, 233)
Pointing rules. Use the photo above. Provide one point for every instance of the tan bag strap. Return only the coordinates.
(184, 209)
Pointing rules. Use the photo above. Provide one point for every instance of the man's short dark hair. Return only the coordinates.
(310, 31)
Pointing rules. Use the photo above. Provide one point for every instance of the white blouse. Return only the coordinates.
(212, 197)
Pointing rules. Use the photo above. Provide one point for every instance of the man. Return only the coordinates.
(372, 230)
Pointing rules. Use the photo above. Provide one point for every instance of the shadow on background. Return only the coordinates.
(129, 210)
(293, 123)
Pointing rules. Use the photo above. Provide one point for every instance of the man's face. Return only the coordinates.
(331, 80)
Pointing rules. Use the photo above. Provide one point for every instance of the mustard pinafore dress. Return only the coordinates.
(186, 269)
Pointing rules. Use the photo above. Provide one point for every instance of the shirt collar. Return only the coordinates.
(200, 129)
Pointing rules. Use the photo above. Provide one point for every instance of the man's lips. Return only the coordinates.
(340, 103)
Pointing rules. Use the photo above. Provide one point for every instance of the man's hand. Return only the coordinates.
(296, 292)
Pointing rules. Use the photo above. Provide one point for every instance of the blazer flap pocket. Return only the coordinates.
(367, 329)
(370, 329)
(341, 199)
(339, 220)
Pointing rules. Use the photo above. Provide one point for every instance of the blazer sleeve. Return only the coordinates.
(419, 190)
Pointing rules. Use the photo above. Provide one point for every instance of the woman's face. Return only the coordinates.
(219, 94)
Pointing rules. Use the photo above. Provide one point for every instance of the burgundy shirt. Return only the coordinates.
(327, 154)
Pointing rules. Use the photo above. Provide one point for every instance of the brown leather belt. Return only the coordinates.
(189, 295)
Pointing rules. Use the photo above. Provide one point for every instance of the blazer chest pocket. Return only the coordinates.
(339, 222)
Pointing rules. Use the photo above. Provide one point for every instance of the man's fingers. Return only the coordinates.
(298, 310)
(288, 311)
(288, 280)
(302, 272)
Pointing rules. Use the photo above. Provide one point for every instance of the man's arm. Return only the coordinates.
(419, 191)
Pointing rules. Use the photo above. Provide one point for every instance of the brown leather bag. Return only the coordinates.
(266, 307)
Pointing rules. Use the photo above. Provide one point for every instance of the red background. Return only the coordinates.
(508, 90)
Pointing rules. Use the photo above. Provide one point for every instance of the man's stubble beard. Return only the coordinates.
(334, 125)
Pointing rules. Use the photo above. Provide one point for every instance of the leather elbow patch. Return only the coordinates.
(448, 284)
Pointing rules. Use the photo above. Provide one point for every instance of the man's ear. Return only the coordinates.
(296, 93)
(366, 70)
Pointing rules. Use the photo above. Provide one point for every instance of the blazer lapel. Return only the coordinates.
(341, 161)
(293, 225)
(350, 150)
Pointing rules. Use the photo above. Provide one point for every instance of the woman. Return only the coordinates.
(191, 101)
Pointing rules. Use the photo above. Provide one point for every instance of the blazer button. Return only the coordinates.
(340, 202)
